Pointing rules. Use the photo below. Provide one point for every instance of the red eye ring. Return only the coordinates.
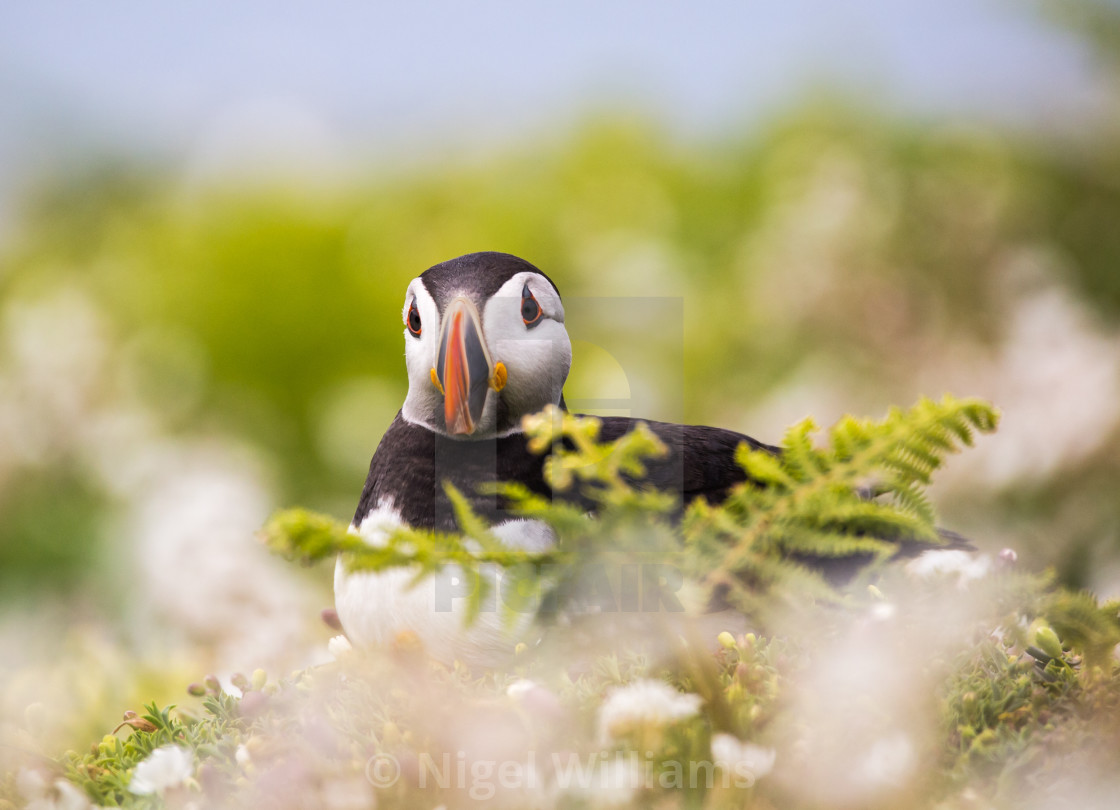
(412, 320)
(530, 310)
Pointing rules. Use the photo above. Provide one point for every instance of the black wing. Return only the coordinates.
(701, 460)
(411, 463)
(701, 464)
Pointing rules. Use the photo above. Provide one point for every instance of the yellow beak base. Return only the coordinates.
(498, 381)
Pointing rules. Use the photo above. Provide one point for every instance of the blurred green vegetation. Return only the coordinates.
(832, 259)
(958, 688)
(43, 514)
(831, 239)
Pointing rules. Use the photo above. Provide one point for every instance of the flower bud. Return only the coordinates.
(1048, 641)
(242, 756)
(390, 734)
(35, 717)
(339, 647)
(253, 704)
(133, 720)
(330, 619)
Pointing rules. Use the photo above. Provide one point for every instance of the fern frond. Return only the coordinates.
(806, 505)
(810, 501)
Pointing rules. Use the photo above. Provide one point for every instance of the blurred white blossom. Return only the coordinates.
(53, 357)
(1055, 376)
(520, 688)
(61, 795)
(965, 565)
(644, 704)
(201, 568)
(742, 758)
(612, 782)
(540, 701)
(339, 646)
(353, 793)
(167, 767)
(889, 762)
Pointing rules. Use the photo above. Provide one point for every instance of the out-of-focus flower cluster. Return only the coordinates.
(128, 550)
(951, 697)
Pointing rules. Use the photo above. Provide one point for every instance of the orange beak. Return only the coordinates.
(463, 368)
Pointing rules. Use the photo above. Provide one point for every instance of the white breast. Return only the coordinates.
(375, 608)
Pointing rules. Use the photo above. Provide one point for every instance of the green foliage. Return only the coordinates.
(1005, 718)
(1024, 669)
(308, 537)
(105, 773)
(997, 704)
(1082, 623)
(810, 504)
(601, 469)
(582, 550)
(50, 535)
(924, 230)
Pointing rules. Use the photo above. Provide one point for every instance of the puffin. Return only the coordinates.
(485, 346)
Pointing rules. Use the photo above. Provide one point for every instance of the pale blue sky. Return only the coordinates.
(397, 78)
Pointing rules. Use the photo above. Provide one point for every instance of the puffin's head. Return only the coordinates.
(485, 344)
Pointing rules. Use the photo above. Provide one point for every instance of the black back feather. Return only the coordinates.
(411, 463)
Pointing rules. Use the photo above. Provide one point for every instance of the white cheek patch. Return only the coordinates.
(420, 357)
(537, 358)
(546, 356)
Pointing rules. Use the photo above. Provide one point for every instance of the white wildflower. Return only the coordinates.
(540, 702)
(166, 767)
(31, 784)
(61, 796)
(346, 794)
(746, 761)
(644, 704)
(617, 780)
(339, 647)
(520, 688)
(612, 782)
(965, 565)
(66, 797)
(889, 762)
(882, 611)
(69, 796)
(242, 756)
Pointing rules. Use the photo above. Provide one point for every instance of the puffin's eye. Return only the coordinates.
(530, 309)
(414, 319)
